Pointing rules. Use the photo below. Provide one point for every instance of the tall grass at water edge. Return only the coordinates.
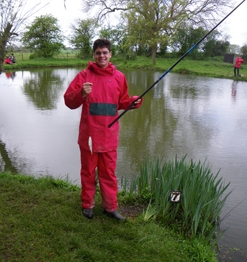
(203, 195)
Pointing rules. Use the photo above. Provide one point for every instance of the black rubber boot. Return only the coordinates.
(87, 212)
(114, 214)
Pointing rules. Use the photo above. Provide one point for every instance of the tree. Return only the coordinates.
(44, 37)
(234, 49)
(117, 36)
(13, 15)
(244, 50)
(82, 36)
(153, 22)
(214, 46)
(151, 15)
(185, 38)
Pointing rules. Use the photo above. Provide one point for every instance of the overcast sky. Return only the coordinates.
(235, 25)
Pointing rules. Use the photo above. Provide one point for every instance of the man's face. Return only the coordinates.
(102, 57)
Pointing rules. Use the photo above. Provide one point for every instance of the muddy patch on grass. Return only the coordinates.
(131, 211)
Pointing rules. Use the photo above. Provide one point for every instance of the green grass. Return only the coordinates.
(41, 220)
(212, 67)
(44, 63)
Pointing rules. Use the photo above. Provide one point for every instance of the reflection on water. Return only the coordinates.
(6, 163)
(42, 88)
(202, 117)
(10, 74)
(234, 89)
(12, 161)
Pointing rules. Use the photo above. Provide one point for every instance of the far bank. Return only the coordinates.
(211, 67)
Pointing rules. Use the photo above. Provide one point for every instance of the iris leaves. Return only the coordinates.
(203, 195)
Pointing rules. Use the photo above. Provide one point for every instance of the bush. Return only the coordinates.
(202, 200)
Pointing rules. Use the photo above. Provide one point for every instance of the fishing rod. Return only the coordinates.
(168, 70)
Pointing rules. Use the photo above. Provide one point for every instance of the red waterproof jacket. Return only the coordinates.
(7, 61)
(239, 61)
(109, 94)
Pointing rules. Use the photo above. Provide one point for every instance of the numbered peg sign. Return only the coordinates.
(175, 196)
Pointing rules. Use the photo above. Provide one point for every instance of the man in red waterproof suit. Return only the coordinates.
(238, 62)
(102, 91)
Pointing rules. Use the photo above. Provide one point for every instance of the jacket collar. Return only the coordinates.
(109, 70)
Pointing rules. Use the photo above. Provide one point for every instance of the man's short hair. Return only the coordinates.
(102, 43)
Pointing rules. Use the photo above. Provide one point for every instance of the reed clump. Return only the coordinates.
(197, 215)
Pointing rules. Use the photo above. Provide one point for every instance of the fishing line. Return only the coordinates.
(168, 70)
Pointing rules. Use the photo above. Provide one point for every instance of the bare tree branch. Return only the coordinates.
(202, 11)
(105, 7)
(13, 15)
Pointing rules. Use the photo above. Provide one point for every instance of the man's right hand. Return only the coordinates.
(86, 89)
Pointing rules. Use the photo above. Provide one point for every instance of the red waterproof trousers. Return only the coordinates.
(106, 166)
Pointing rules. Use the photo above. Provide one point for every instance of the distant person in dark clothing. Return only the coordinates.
(238, 62)
(12, 58)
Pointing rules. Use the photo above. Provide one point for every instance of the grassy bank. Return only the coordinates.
(212, 67)
(40, 220)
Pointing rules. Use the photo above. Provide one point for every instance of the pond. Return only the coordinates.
(203, 118)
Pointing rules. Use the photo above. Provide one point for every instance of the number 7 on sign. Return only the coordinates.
(175, 196)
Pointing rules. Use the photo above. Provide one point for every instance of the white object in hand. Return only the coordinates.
(90, 144)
